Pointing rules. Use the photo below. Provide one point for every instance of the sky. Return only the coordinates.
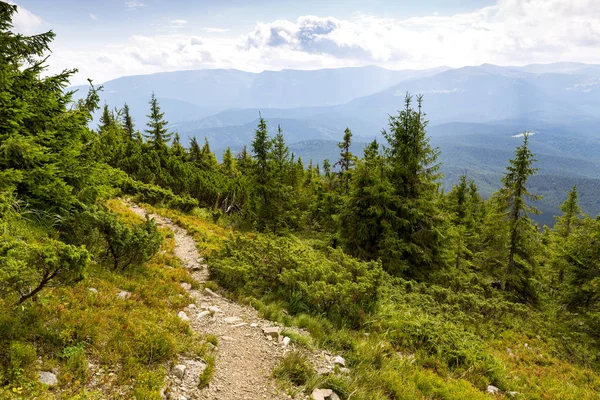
(106, 39)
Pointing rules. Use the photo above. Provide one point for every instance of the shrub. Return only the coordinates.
(326, 282)
(294, 367)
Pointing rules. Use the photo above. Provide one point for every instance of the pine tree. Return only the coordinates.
(157, 133)
(208, 160)
(571, 212)
(195, 153)
(229, 163)
(177, 150)
(521, 263)
(417, 243)
(261, 148)
(128, 122)
(346, 159)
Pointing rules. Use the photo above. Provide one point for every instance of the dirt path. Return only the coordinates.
(245, 355)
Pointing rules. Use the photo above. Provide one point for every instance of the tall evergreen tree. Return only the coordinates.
(346, 159)
(128, 122)
(570, 214)
(195, 152)
(157, 133)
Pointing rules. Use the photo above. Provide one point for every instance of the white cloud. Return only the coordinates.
(134, 4)
(509, 32)
(93, 16)
(215, 30)
(26, 22)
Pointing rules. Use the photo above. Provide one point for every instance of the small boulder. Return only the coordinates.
(493, 389)
(286, 342)
(183, 316)
(334, 396)
(185, 286)
(253, 325)
(203, 314)
(321, 394)
(214, 309)
(179, 371)
(93, 290)
(208, 292)
(340, 361)
(191, 306)
(124, 294)
(272, 331)
(48, 378)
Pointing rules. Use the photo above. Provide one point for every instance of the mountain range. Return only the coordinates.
(476, 114)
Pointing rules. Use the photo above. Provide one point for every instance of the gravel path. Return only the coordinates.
(245, 355)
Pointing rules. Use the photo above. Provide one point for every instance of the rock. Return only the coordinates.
(493, 389)
(238, 325)
(210, 293)
(123, 294)
(185, 286)
(48, 378)
(286, 341)
(215, 310)
(340, 361)
(272, 331)
(93, 290)
(179, 371)
(183, 316)
(321, 394)
(253, 325)
(232, 320)
(203, 314)
(191, 306)
(334, 396)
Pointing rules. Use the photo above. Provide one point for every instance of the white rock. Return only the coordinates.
(48, 378)
(203, 314)
(334, 396)
(93, 290)
(272, 331)
(179, 371)
(214, 309)
(232, 320)
(185, 286)
(321, 394)
(493, 389)
(253, 325)
(340, 361)
(286, 341)
(183, 316)
(210, 293)
(191, 306)
(123, 294)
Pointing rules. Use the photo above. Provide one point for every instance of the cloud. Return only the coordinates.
(26, 22)
(134, 4)
(93, 16)
(215, 30)
(508, 32)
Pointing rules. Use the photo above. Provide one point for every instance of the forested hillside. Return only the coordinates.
(424, 293)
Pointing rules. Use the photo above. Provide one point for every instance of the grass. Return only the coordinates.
(134, 340)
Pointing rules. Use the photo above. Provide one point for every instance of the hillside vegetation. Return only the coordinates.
(426, 293)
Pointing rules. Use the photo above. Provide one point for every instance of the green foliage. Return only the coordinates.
(294, 367)
(324, 282)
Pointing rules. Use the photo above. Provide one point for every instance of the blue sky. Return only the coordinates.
(112, 38)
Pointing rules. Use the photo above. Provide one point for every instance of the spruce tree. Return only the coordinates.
(195, 152)
(128, 122)
(261, 148)
(570, 214)
(346, 159)
(520, 265)
(157, 133)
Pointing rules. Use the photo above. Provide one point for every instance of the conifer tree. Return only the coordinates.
(346, 159)
(261, 148)
(417, 244)
(520, 265)
(128, 122)
(208, 160)
(570, 214)
(157, 133)
(229, 163)
(195, 152)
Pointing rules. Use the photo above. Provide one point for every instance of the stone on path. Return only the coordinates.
(183, 316)
(286, 341)
(179, 371)
(272, 331)
(210, 293)
(321, 394)
(232, 320)
(203, 314)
